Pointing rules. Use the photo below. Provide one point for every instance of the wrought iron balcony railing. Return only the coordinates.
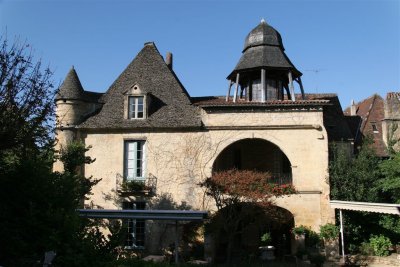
(145, 186)
(281, 178)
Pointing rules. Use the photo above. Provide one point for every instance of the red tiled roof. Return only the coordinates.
(371, 112)
(220, 101)
(334, 120)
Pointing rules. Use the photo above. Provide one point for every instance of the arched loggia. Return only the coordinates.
(255, 154)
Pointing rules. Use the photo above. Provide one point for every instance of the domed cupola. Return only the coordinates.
(264, 72)
(263, 34)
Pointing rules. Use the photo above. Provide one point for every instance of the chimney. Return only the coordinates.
(353, 108)
(168, 60)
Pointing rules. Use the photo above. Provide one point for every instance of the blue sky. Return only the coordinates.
(351, 48)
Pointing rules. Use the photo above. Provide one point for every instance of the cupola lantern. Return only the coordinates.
(264, 72)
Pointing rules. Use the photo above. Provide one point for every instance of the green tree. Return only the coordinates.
(26, 97)
(354, 178)
(389, 184)
(38, 213)
(38, 206)
(366, 178)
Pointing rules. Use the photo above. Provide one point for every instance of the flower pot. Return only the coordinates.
(267, 252)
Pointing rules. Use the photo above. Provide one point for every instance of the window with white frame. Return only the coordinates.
(136, 227)
(134, 160)
(136, 107)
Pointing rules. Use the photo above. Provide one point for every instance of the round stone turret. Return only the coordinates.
(70, 105)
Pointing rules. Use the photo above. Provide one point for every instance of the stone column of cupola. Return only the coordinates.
(298, 80)
(291, 87)
(263, 85)
(237, 88)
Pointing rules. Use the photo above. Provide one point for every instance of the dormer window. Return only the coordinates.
(135, 103)
(135, 107)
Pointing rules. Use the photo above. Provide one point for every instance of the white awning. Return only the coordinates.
(366, 206)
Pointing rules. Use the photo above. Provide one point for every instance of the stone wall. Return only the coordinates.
(180, 160)
(391, 123)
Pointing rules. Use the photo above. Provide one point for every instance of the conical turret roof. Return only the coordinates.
(71, 88)
(263, 48)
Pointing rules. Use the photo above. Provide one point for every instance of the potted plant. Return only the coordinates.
(133, 185)
(300, 237)
(330, 234)
(300, 230)
(266, 249)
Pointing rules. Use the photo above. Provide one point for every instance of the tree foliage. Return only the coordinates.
(38, 206)
(38, 212)
(389, 184)
(366, 178)
(26, 97)
(352, 178)
(238, 186)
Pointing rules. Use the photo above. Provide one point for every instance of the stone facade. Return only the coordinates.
(376, 118)
(180, 160)
(183, 140)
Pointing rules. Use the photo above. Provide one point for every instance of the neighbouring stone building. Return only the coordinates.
(378, 119)
(147, 127)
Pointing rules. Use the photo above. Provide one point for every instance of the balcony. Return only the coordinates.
(145, 187)
(281, 179)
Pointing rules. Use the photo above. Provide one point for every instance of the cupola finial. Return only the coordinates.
(263, 20)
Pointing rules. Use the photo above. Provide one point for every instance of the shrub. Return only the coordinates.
(380, 245)
(329, 231)
(366, 249)
(266, 238)
(299, 230)
(312, 239)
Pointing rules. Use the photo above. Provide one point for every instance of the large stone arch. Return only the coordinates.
(254, 221)
(254, 154)
(245, 135)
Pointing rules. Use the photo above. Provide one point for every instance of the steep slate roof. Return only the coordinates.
(71, 88)
(371, 111)
(170, 105)
(264, 48)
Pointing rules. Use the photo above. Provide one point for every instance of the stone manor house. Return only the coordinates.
(146, 127)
